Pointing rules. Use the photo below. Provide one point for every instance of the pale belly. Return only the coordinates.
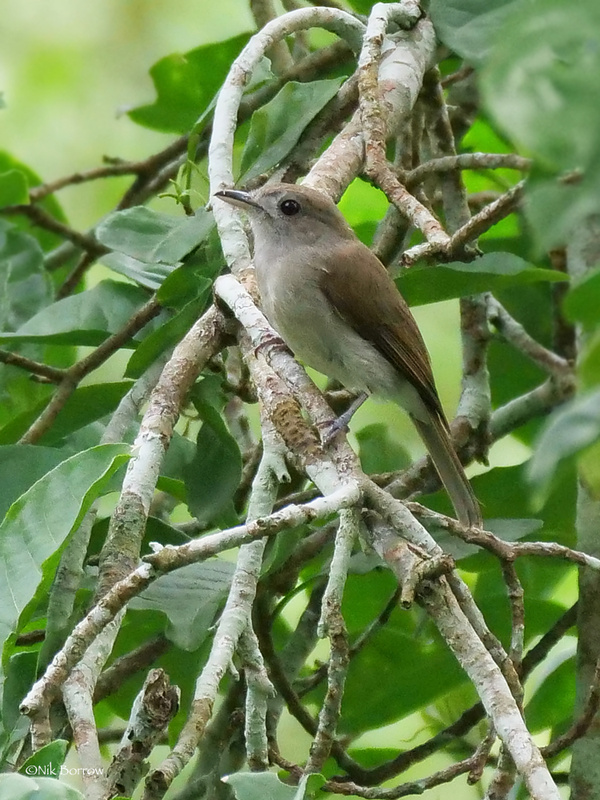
(320, 338)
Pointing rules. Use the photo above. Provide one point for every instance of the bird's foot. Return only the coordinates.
(329, 429)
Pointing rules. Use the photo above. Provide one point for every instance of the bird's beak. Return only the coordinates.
(237, 198)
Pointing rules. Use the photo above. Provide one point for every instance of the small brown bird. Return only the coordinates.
(336, 307)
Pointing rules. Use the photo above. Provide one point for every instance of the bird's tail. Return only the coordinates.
(436, 437)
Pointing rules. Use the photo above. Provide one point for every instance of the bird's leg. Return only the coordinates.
(329, 430)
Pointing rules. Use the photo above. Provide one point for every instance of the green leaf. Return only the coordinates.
(37, 525)
(404, 648)
(151, 276)
(378, 452)
(582, 301)
(505, 488)
(25, 285)
(545, 69)
(20, 787)
(87, 318)
(512, 373)
(46, 239)
(276, 127)
(14, 189)
(48, 760)
(260, 786)
(568, 204)
(21, 465)
(213, 475)
(470, 27)
(552, 704)
(190, 598)
(568, 431)
(152, 237)
(588, 366)
(182, 666)
(167, 335)
(185, 85)
(85, 405)
(182, 285)
(490, 273)
(21, 673)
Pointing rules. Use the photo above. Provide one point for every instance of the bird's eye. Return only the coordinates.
(289, 207)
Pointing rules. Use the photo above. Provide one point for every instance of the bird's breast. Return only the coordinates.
(297, 308)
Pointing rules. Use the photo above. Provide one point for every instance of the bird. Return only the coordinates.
(336, 307)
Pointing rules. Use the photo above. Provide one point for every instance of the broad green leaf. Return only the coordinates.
(568, 431)
(277, 126)
(582, 302)
(152, 237)
(25, 290)
(567, 203)
(190, 598)
(151, 276)
(85, 405)
(186, 283)
(185, 84)
(539, 578)
(46, 239)
(18, 392)
(365, 596)
(20, 787)
(182, 666)
(551, 707)
(21, 465)
(14, 189)
(260, 786)
(588, 362)
(83, 319)
(589, 468)
(470, 27)
(213, 475)
(400, 654)
(38, 523)
(24, 285)
(167, 335)
(505, 488)
(490, 273)
(378, 452)
(48, 760)
(21, 672)
(511, 372)
(545, 69)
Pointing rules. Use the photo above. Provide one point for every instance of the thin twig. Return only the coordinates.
(514, 333)
(478, 224)
(508, 551)
(51, 374)
(582, 724)
(517, 613)
(332, 625)
(374, 128)
(464, 161)
(75, 374)
(42, 219)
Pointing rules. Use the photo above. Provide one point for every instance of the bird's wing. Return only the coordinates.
(362, 296)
